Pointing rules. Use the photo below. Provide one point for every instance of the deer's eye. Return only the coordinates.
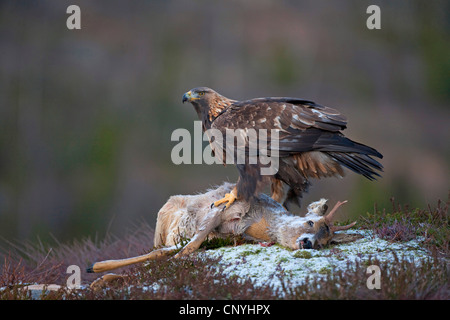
(310, 223)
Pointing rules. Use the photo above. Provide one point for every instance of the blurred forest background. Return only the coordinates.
(86, 116)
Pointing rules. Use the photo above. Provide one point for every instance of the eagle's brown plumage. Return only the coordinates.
(310, 142)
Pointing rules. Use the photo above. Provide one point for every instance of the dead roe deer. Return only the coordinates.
(192, 217)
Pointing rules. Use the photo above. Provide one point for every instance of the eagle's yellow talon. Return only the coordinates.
(229, 198)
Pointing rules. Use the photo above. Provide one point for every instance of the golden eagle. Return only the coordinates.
(309, 142)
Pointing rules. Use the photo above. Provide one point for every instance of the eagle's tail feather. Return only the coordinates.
(358, 162)
(339, 143)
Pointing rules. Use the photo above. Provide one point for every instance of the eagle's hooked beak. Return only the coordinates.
(190, 96)
(187, 96)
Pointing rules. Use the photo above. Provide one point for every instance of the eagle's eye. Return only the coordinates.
(310, 223)
(201, 93)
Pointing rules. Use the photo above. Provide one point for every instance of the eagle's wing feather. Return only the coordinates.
(302, 126)
(294, 119)
(280, 113)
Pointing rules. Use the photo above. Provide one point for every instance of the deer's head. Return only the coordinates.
(316, 229)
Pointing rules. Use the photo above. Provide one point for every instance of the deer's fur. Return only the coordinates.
(263, 220)
(193, 217)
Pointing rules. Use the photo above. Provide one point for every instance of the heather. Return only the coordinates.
(409, 245)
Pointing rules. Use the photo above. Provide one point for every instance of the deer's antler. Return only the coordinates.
(339, 228)
(329, 218)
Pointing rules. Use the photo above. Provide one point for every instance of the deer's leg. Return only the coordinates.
(211, 220)
(105, 280)
(114, 264)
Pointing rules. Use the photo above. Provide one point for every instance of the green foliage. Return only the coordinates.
(247, 253)
(215, 243)
(303, 254)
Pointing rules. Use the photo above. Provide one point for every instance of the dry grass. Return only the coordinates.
(404, 224)
(203, 278)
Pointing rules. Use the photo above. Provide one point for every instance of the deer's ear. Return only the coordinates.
(318, 207)
(345, 238)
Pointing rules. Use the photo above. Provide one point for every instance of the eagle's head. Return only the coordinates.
(199, 96)
(207, 102)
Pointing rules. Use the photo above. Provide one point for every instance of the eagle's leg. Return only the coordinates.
(229, 198)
